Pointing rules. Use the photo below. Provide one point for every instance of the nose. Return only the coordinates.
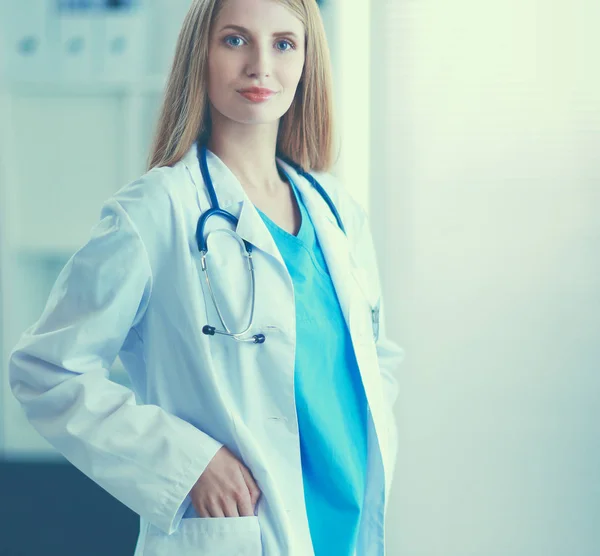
(259, 61)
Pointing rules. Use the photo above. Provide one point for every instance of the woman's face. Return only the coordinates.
(254, 43)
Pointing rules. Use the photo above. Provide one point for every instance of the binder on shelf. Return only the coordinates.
(76, 43)
(121, 47)
(73, 40)
(26, 46)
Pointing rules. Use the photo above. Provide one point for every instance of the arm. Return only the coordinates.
(145, 457)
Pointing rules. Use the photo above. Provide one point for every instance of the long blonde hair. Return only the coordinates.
(305, 130)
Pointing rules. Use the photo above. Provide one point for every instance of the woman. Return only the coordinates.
(283, 444)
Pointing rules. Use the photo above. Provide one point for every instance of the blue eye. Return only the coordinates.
(233, 38)
(291, 46)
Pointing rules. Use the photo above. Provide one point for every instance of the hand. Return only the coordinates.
(226, 488)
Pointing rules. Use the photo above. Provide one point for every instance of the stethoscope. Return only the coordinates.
(246, 247)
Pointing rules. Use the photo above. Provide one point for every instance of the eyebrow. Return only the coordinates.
(244, 30)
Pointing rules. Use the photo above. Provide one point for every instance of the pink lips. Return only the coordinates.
(257, 94)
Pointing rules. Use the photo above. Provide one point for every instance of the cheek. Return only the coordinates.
(292, 72)
(219, 69)
(213, 75)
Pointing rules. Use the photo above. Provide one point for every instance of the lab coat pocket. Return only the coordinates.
(209, 536)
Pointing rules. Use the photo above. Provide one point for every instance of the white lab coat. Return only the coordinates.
(136, 290)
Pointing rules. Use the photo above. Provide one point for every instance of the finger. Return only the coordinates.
(198, 510)
(202, 511)
(214, 509)
(244, 504)
(198, 505)
(253, 489)
(230, 508)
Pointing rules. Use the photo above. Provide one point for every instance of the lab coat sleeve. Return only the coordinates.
(142, 455)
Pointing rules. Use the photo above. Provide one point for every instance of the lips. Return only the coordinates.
(257, 90)
(257, 94)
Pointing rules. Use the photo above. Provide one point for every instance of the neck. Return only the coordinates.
(248, 151)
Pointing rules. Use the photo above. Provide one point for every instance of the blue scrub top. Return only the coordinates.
(330, 399)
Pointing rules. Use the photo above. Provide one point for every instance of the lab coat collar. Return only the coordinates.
(227, 187)
(233, 199)
(333, 240)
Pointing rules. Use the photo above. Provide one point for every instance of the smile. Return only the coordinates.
(257, 95)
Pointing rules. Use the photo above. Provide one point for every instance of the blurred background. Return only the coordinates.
(470, 131)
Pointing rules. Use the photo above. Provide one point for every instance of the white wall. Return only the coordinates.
(348, 32)
(487, 223)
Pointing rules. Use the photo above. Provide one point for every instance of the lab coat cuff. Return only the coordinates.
(178, 498)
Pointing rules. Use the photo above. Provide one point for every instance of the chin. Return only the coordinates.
(256, 116)
(249, 114)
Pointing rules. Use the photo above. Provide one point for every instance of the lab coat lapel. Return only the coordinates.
(342, 268)
(332, 239)
(335, 246)
(252, 228)
(233, 198)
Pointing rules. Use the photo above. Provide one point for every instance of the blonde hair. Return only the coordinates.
(305, 130)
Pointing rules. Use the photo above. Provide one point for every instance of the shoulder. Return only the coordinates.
(353, 215)
(158, 192)
(156, 204)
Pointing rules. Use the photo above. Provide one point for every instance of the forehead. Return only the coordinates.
(259, 15)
